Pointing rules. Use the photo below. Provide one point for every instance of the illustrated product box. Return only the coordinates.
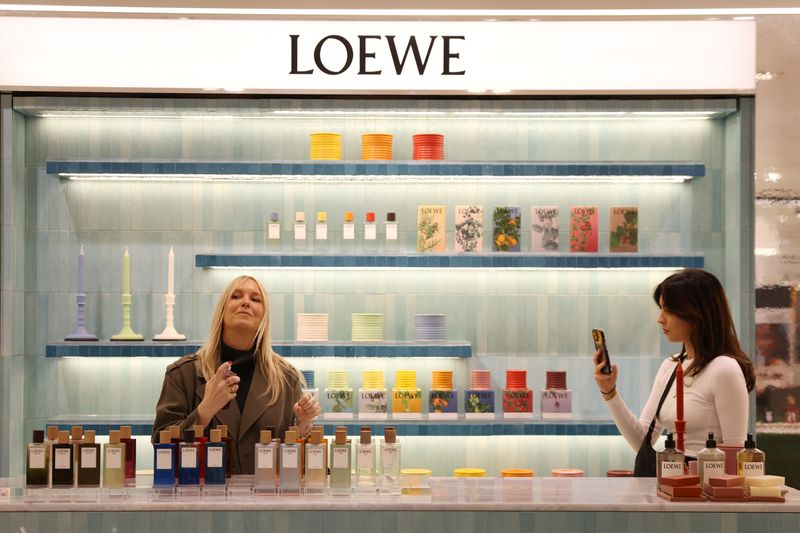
(556, 404)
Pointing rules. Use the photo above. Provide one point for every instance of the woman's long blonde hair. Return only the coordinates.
(278, 373)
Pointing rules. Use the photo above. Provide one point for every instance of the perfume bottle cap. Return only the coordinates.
(175, 432)
(198, 430)
(223, 430)
(52, 432)
(750, 443)
(63, 437)
(322, 216)
(76, 433)
(370, 216)
(348, 216)
(216, 435)
(274, 217)
(38, 436)
(88, 437)
(669, 443)
(711, 443)
(296, 429)
(125, 432)
(341, 435)
(113, 436)
(366, 435)
(299, 216)
(290, 437)
(391, 216)
(265, 436)
(188, 435)
(272, 432)
(389, 435)
(316, 436)
(165, 436)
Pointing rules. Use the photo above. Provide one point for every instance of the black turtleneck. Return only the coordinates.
(244, 366)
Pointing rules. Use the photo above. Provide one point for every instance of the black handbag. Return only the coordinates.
(645, 464)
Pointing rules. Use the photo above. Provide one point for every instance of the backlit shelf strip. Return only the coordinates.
(286, 349)
(504, 260)
(410, 428)
(379, 171)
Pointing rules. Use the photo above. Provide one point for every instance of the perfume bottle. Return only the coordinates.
(88, 453)
(750, 460)
(710, 460)
(290, 464)
(274, 232)
(517, 397)
(321, 233)
(373, 403)
(365, 461)
(164, 461)
(130, 452)
(338, 397)
(175, 438)
(669, 461)
(390, 226)
(316, 464)
(348, 231)
(223, 429)
(370, 232)
(50, 439)
(266, 462)
(479, 397)
(406, 396)
(201, 441)
(75, 438)
(215, 459)
(63, 463)
(341, 463)
(299, 230)
(114, 461)
(389, 481)
(36, 466)
(442, 398)
(189, 455)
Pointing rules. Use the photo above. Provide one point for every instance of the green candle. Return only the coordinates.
(126, 272)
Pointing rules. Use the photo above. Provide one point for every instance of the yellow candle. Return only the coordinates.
(126, 273)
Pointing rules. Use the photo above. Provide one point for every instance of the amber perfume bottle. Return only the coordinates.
(36, 465)
(88, 458)
(126, 438)
(114, 461)
(750, 460)
(63, 464)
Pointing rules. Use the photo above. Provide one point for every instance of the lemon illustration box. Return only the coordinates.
(406, 396)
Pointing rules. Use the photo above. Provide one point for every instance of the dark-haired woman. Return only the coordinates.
(718, 374)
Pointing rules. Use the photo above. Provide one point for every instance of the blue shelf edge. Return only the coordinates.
(299, 349)
(498, 260)
(379, 168)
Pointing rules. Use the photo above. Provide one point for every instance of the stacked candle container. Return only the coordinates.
(428, 146)
(556, 398)
(326, 146)
(479, 397)
(517, 397)
(376, 146)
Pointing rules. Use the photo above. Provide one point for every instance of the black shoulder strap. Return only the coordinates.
(664, 394)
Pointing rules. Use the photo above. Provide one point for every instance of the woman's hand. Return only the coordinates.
(606, 382)
(305, 410)
(220, 390)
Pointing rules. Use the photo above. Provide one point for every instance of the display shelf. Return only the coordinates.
(666, 171)
(142, 425)
(286, 349)
(499, 260)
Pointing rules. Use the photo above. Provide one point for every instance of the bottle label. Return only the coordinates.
(752, 469)
(389, 458)
(274, 232)
(113, 457)
(265, 457)
(370, 232)
(712, 469)
(322, 232)
(36, 458)
(671, 469)
(63, 458)
(300, 232)
(214, 456)
(88, 458)
(289, 459)
(189, 457)
(315, 459)
(164, 459)
(341, 457)
(365, 458)
(349, 232)
(391, 232)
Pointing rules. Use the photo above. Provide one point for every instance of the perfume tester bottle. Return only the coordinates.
(223, 429)
(669, 462)
(274, 232)
(390, 227)
(114, 461)
(88, 453)
(300, 231)
(370, 233)
(190, 460)
(316, 476)
(164, 461)
(365, 462)
(266, 463)
(63, 464)
(389, 481)
(750, 460)
(130, 452)
(215, 459)
(321, 233)
(348, 232)
(290, 464)
(36, 466)
(341, 463)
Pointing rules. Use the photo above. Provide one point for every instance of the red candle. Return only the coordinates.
(680, 423)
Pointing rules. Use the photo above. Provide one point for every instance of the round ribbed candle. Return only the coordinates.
(442, 380)
(469, 472)
(405, 379)
(338, 379)
(516, 472)
(566, 472)
(516, 379)
(480, 380)
(556, 380)
(308, 375)
(373, 380)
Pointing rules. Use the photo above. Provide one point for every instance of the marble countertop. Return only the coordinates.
(447, 494)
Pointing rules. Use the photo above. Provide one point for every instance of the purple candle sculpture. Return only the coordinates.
(80, 333)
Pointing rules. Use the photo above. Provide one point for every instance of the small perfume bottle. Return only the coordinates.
(36, 465)
(274, 231)
(50, 439)
(406, 396)
(341, 463)
(299, 230)
(215, 459)
(479, 397)
(391, 241)
(389, 482)
(189, 459)
(266, 463)
(88, 453)
(114, 461)
(130, 452)
(517, 397)
(76, 439)
(710, 460)
(348, 230)
(290, 464)
(321, 233)
(223, 429)
(442, 398)
(750, 460)
(63, 463)
(365, 461)
(201, 441)
(669, 462)
(164, 461)
(316, 464)
(373, 402)
(338, 399)
(370, 232)
(175, 438)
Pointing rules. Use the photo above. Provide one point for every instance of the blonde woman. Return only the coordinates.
(236, 379)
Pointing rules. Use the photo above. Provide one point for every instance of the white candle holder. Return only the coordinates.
(170, 333)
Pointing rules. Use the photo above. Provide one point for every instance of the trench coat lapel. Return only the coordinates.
(254, 406)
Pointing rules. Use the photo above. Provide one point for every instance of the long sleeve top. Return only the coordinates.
(715, 400)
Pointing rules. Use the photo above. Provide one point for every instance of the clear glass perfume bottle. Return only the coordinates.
(321, 240)
(389, 482)
(164, 461)
(113, 461)
(669, 462)
(36, 465)
(88, 453)
(391, 235)
(290, 464)
(300, 238)
(50, 439)
(750, 460)
(348, 233)
(365, 461)
(266, 463)
(710, 460)
(274, 232)
(341, 463)
(370, 233)
(316, 464)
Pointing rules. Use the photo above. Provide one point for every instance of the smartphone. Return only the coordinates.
(600, 344)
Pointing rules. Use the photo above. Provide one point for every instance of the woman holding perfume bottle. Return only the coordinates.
(236, 379)
(718, 374)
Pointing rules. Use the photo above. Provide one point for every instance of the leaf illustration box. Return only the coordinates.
(407, 403)
(583, 229)
(624, 230)
(507, 227)
(373, 404)
(544, 229)
(469, 228)
(431, 228)
(337, 403)
(479, 404)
